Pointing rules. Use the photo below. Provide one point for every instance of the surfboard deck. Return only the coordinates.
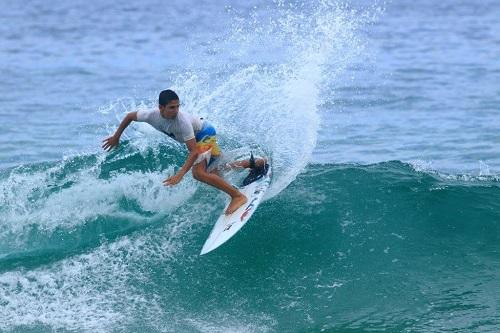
(228, 225)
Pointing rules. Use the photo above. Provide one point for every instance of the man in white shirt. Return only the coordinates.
(200, 139)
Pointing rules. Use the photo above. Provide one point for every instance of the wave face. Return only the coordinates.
(344, 248)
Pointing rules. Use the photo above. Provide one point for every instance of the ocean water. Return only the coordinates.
(381, 118)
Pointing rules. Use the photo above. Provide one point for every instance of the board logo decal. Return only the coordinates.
(248, 209)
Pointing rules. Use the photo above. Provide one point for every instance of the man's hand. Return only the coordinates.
(113, 141)
(172, 180)
(110, 142)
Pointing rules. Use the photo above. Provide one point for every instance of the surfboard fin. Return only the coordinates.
(256, 172)
(252, 161)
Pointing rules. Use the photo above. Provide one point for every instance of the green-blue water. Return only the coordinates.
(344, 248)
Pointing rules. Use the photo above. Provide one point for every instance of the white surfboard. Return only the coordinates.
(228, 225)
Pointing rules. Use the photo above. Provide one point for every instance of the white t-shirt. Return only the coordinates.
(182, 128)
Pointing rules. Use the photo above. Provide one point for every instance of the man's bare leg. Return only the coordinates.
(238, 199)
(244, 164)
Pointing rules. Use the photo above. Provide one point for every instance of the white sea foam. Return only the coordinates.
(274, 103)
(30, 200)
(93, 292)
(75, 293)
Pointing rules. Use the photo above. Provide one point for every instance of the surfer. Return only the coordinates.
(200, 138)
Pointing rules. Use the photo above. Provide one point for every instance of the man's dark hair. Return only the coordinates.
(166, 96)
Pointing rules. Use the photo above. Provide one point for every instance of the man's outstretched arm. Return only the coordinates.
(112, 141)
(193, 154)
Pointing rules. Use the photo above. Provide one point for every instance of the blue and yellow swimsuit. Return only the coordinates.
(206, 139)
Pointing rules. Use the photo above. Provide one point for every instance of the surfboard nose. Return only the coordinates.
(228, 225)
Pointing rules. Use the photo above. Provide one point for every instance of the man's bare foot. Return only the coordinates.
(260, 162)
(236, 203)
